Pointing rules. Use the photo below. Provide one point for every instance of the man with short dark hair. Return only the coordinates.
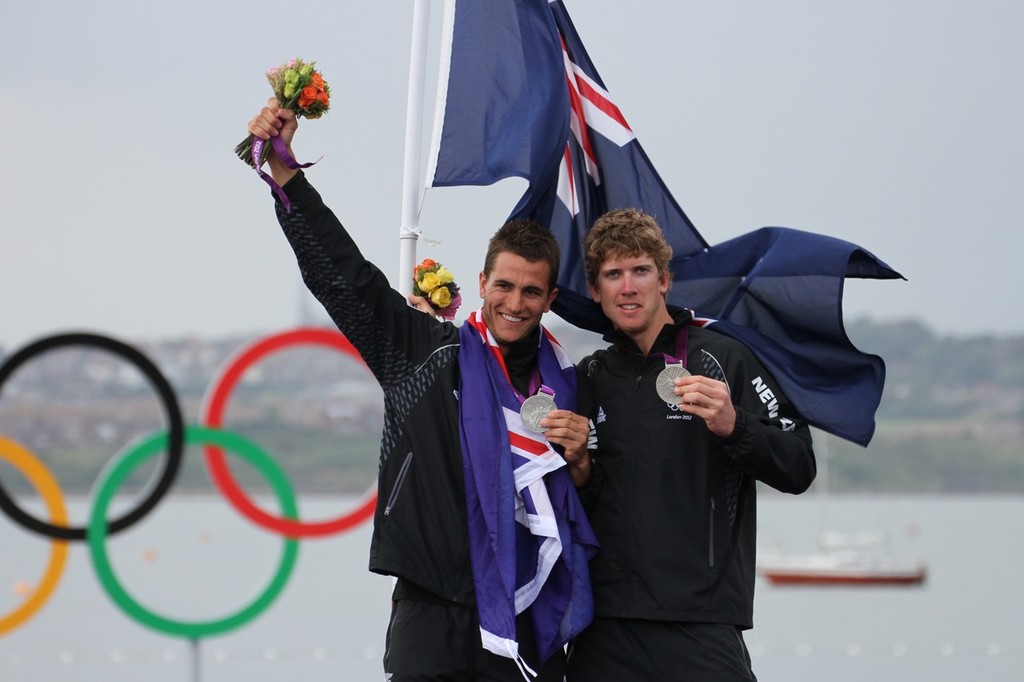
(477, 517)
(685, 421)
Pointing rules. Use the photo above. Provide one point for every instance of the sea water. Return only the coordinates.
(196, 560)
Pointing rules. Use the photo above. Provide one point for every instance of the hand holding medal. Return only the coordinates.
(703, 397)
(536, 407)
(665, 384)
(565, 429)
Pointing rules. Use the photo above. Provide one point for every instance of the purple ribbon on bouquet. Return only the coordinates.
(286, 158)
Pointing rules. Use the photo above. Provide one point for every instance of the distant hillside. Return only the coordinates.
(951, 418)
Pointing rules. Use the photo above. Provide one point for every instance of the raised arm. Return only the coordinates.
(274, 121)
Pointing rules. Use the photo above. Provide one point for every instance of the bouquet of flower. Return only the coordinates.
(298, 86)
(436, 283)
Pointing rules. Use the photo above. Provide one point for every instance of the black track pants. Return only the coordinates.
(626, 650)
(441, 643)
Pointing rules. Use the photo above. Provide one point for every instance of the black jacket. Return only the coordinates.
(420, 532)
(673, 505)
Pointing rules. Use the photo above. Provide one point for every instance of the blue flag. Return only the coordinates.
(506, 106)
(522, 98)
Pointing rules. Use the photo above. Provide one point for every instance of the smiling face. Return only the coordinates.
(632, 296)
(515, 295)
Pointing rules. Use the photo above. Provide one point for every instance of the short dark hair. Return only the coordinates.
(625, 233)
(526, 239)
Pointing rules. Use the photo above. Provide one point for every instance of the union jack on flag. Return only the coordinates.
(521, 97)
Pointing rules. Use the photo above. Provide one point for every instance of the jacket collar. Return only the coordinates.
(521, 358)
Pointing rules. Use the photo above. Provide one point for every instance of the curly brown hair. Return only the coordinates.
(624, 233)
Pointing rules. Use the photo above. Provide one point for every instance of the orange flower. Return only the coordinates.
(308, 96)
(300, 86)
(423, 267)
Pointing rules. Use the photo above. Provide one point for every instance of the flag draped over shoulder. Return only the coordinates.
(529, 537)
(519, 96)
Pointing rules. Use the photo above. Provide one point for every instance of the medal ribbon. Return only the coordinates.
(478, 324)
(682, 337)
(286, 158)
(543, 389)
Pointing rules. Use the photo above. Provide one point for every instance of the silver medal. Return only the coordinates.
(535, 408)
(665, 384)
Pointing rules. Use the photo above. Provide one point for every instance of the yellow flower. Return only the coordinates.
(429, 282)
(444, 275)
(441, 297)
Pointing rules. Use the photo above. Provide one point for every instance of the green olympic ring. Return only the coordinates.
(172, 440)
(97, 531)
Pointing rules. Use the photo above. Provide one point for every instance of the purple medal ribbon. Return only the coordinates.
(532, 388)
(682, 336)
(286, 158)
(675, 367)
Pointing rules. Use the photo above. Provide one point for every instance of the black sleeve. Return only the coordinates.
(771, 441)
(392, 338)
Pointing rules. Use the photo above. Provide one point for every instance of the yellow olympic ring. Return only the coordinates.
(46, 485)
(59, 530)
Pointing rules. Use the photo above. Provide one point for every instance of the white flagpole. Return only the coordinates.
(411, 178)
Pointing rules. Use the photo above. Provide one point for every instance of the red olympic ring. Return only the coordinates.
(212, 414)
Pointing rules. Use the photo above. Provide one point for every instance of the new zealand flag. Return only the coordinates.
(521, 97)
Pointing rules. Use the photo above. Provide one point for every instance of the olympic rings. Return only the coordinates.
(40, 477)
(175, 430)
(172, 440)
(97, 533)
(213, 413)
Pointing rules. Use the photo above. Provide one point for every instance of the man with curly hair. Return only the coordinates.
(685, 422)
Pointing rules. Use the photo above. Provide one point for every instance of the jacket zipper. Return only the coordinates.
(632, 476)
(398, 483)
(711, 535)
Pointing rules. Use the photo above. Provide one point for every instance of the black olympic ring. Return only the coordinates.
(175, 431)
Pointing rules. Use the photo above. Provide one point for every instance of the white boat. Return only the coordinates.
(844, 559)
(841, 568)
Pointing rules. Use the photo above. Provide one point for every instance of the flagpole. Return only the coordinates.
(411, 178)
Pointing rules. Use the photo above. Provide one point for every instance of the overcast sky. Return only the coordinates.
(893, 124)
